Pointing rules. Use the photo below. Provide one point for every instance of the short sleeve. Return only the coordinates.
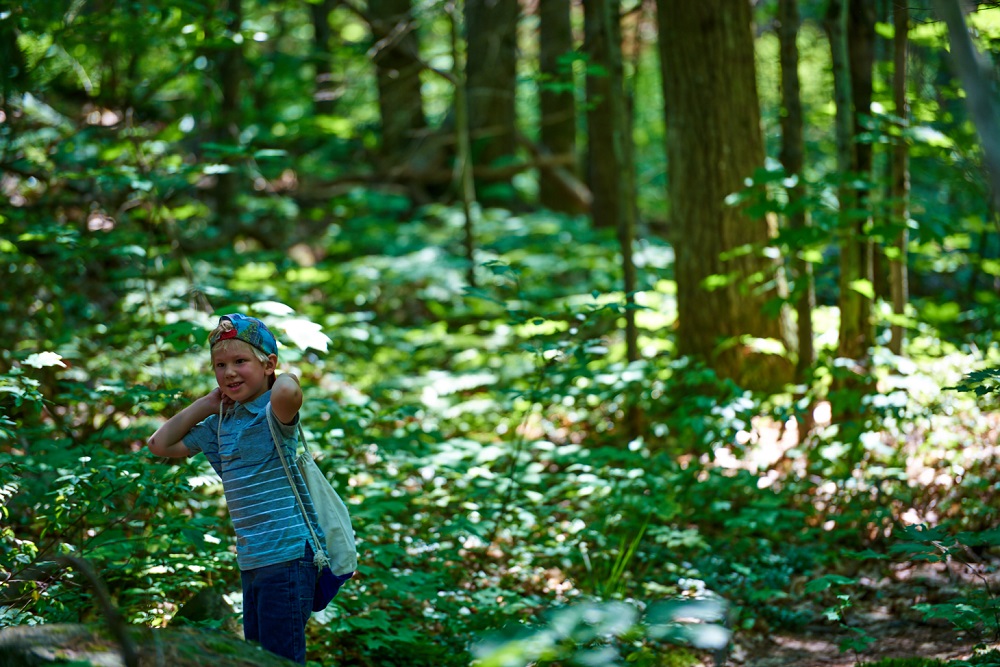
(203, 433)
(289, 432)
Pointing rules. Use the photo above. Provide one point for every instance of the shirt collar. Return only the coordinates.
(258, 404)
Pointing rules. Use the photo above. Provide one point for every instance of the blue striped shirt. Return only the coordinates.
(267, 519)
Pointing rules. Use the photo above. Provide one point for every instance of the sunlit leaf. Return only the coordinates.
(44, 359)
(305, 334)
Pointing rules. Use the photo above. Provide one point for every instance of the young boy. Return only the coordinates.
(229, 425)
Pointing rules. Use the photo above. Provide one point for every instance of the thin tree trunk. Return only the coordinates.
(861, 49)
(463, 159)
(397, 71)
(230, 74)
(851, 342)
(609, 132)
(602, 173)
(898, 274)
(558, 105)
(792, 157)
(491, 81)
(324, 90)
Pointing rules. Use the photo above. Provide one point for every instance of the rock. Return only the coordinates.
(38, 645)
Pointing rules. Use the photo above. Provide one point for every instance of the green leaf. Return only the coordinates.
(828, 580)
(863, 287)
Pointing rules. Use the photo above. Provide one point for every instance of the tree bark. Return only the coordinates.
(463, 174)
(229, 66)
(324, 92)
(861, 50)
(792, 157)
(557, 102)
(977, 79)
(714, 143)
(610, 145)
(898, 274)
(852, 340)
(397, 71)
(491, 80)
(603, 88)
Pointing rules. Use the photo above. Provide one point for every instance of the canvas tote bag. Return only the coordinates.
(337, 558)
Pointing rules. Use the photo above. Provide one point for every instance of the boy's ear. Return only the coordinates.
(272, 363)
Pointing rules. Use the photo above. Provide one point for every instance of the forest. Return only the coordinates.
(632, 332)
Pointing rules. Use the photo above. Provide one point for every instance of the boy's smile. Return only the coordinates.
(240, 374)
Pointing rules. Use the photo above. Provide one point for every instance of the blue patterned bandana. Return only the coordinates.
(249, 330)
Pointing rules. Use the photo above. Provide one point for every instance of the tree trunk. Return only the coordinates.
(852, 339)
(609, 132)
(792, 157)
(603, 89)
(397, 69)
(229, 65)
(898, 274)
(558, 105)
(861, 49)
(977, 78)
(13, 73)
(491, 78)
(324, 91)
(462, 175)
(714, 142)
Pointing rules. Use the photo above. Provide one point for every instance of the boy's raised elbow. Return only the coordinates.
(286, 397)
(154, 446)
(173, 451)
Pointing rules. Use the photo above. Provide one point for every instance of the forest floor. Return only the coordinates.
(883, 603)
(821, 648)
(889, 619)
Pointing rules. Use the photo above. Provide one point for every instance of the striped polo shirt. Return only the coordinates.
(267, 519)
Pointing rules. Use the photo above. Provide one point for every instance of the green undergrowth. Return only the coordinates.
(482, 439)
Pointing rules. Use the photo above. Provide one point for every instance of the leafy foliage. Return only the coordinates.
(522, 492)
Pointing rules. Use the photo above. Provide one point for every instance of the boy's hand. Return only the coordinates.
(213, 399)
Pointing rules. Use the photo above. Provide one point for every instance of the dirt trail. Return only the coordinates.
(821, 648)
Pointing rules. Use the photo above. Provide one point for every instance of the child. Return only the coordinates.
(229, 425)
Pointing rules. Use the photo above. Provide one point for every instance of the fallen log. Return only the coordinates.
(39, 645)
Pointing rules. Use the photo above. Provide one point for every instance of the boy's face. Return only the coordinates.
(240, 374)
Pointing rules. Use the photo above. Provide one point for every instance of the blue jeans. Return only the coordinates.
(277, 602)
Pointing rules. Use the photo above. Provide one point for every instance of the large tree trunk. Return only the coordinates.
(898, 274)
(714, 142)
(397, 68)
(792, 157)
(491, 79)
(558, 106)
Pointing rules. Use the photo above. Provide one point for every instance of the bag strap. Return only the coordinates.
(319, 558)
(302, 437)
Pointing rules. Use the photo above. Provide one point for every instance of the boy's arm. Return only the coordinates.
(168, 439)
(286, 397)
